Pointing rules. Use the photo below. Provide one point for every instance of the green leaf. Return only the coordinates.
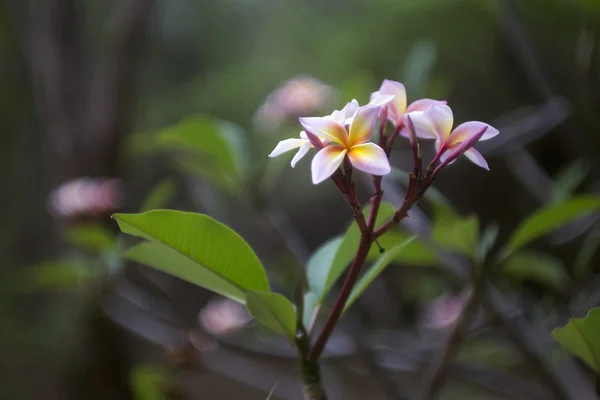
(453, 232)
(160, 195)
(415, 253)
(212, 247)
(348, 246)
(487, 241)
(273, 311)
(586, 252)
(568, 179)
(377, 268)
(61, 274)
(547, 219)
(581, 337)
(539, 267)
(148, 382)
(319, 264)
(212, 151)
(311, 300)
(170, 261)
(91, 236)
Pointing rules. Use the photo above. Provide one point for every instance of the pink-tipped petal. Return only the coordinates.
(325, 128)
(380, 99)
(476, 158)
(326, 162)
(441, 118)
(363, 124)
(423, 104)
(301, 153)
(286, 145)
(370, 158)
(461, 148)
(396, 107)
(463, 131)
(350, 109)
(424, 128)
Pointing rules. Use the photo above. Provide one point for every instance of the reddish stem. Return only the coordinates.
(361, 256)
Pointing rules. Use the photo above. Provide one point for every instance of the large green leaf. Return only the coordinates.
(568, 179)
(319, 265)
(91, 236)
(170, 261)
(160, 195)
(549, 218)
(211, 246)
(452, 232)
(311, 300)
(377, 268)
(581, 337)
(273, 311)
(539, 267)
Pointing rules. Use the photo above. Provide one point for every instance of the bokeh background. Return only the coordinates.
(95, 95)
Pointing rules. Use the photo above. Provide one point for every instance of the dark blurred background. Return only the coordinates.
(87, 90)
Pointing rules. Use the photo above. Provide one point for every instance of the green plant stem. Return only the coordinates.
(312, 383)
(436, 376)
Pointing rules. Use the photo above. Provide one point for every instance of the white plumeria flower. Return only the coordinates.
(343, 117)
(436, 123)
(352, 142)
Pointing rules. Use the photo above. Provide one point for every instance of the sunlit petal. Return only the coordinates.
(476, 158)
(326, 128)
(396, 107)
(423, 104)
(286, 145)
(370, 158)
(441, 118)
(363, 124)
(423, 126)
(326, 162)
(471, 128)
(350, 109)
(301, 153)
(380, 99)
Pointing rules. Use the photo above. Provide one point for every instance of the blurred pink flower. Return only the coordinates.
(86, 197)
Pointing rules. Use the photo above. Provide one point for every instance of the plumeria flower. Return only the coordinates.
(303, 144)
(352, 142)
(396, 108)
(436, 123)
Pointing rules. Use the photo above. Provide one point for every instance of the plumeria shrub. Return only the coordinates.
(354, 140)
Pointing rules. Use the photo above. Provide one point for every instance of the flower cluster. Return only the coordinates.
(346, 133)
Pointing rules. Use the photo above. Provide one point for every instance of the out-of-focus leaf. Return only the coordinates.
(375, 270)
(432, 194)
(53, 275)
(581, 337)
(236, 138)
(213, 151)
(148, 382)
(453, 232)
(311, 300)
(539, 267)
(273, 311)
(568, 179)
(90, 236)
(586, 252)
(196, 248)
(547, 219)
(416, 252)
(141, 144)
(418, 64)
(160, 195)
(487, 241)
(489, 353)
(319, 265)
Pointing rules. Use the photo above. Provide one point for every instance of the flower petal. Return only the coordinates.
(476, 158)
(325, 128)
(463, 131)
(363, 124)
(301, 153)
(326, 162)
(370, 158)
(423, 127)
(441, 118)
(350, 109)
(423, 104)
(286, 145)
(396, 107)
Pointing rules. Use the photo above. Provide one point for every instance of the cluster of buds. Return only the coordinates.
(344, 137)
